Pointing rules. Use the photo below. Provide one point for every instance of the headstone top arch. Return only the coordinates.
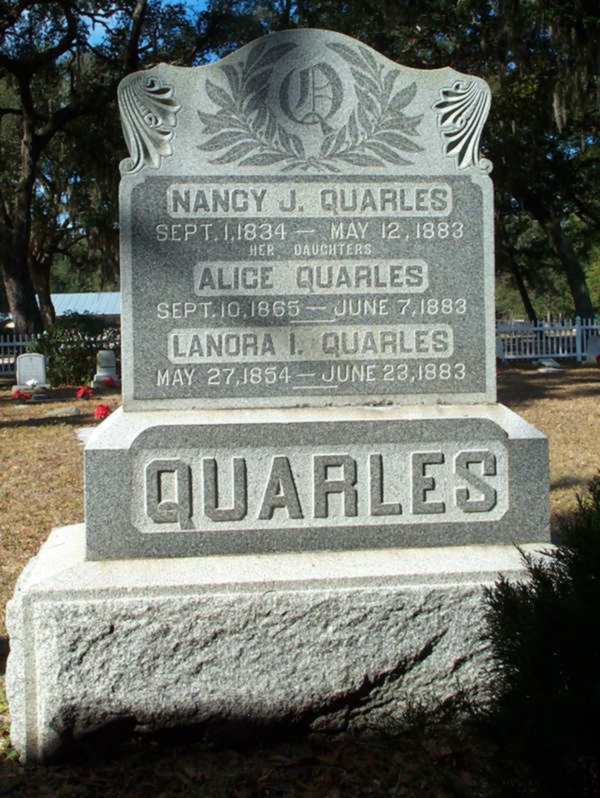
(304, 101)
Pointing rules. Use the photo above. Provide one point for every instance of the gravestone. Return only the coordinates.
(593, 348)
(106, 368)
(288, 246)
(310, 480)
(276, 254)
(31, 366)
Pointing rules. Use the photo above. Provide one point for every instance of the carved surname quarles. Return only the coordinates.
(428, 482)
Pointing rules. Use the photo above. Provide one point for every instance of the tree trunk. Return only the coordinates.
(522, 288)
(551, 224)
(40, 270)
(22, 303)
(573, 269)
(508, 255)
(17, 279)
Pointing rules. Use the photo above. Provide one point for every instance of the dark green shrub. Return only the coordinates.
(71, 346)
(545, 634)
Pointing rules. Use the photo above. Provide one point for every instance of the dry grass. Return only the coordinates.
(565, 405)
(41, 467)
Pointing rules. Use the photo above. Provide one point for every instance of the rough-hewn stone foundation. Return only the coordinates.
(321, 639)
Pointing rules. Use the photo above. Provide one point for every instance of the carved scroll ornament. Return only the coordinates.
(462, 113)
(148, 116)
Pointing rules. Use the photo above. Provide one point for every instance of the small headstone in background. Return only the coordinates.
(593, 348)
(548, 365)
(31, 372)
(106, 369)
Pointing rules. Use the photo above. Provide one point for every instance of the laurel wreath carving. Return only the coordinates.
(462, 112)
(148, 116)
(247, 132)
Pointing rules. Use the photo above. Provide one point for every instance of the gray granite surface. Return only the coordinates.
(30, 366)
(186, 484)
(305, 223)
(322, 640)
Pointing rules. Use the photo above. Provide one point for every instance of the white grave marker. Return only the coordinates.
(31, 366)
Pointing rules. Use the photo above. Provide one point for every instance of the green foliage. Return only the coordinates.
(594, 274)
(71, 345)
(90, 277)
(545, 635)
(549, 295)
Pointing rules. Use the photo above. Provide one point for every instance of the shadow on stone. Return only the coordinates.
(117, 739)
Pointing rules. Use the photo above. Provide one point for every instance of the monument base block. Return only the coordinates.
(322, 640)
(225, 482)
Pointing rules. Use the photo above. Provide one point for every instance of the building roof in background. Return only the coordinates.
(100, 303)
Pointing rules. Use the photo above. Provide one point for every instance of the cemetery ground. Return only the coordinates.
(41, 487)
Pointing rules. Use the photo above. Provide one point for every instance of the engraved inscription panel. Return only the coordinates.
(373, 288)
(257, 488)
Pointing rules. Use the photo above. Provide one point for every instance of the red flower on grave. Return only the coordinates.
(598, 360)
(22, 395)
(109, 382)
(84, 392)
(101, 412)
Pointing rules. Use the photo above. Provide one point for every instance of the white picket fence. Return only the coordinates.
(565, 338)
(11, 346)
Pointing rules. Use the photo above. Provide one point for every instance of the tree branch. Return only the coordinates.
(27, 66)
(62, 116)
(5, 212)
(15, 111)
(585, 209)
(132, 54)
(28, 108)
(12, 16)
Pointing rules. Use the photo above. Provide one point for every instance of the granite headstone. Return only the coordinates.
(305, 223)
(106, 369)
(31, 368)
(593, 348)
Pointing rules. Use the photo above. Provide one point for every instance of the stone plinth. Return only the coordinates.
(326, 640)
(186, 484)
